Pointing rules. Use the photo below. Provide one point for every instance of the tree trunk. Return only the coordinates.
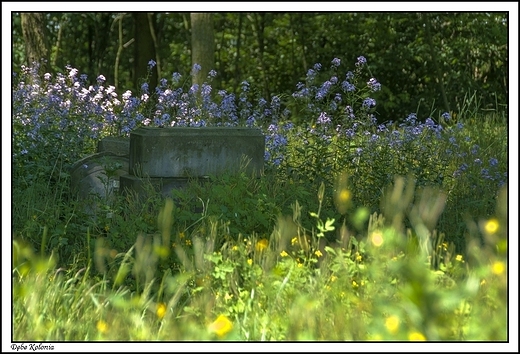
(433, 53)
(237, 58)
(144, 52)
(259, 27)
(202, 45)
(36, 40)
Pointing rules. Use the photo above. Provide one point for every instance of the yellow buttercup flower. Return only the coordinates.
(491, 226)
(377, 238)
(102, 326)
(392, 324)
(344, 196)
(262, 245)
(221, 326)
(161, 310)
(250, 261)
(284, 254)
(318, 253)
(416, 336)
(498, 268)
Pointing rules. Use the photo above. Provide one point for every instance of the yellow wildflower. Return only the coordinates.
(284, 254)
(161, 310)
(392, 324)
(221, 326)
(491, 226)
(262, 245)
(344, 196)
(102, 326)
(188, 242)
(318, 253)
(459, 258)
(498, 268)
(377, 238)
(358, 257)
(250, 261)
(294, 241)
(416, 336)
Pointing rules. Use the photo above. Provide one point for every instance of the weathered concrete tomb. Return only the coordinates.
(194, 152)
(166, 158)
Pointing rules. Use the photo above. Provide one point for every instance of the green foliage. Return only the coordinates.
(380, 286)
(271, 50)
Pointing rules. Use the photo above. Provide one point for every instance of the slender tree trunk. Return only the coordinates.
(202, 45)
(438, 72)
(144, 52)
(237, 58)
(35, 34)
(302, 42)
(120, 47)
(63, 22)
(260, 25)
(151, 23)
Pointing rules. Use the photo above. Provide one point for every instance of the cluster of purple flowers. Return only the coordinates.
(65, 109)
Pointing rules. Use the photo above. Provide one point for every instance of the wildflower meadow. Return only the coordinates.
(360, 228)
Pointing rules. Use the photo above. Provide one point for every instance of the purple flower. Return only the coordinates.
(350, 112)
(176, 77)
(206, 90)
(374, 85)
(196, 68)
(369, 103)
(493, 161)
(194, 88)
(311, 75)
(335, 62)
(324, 89)
(151, 64)
(347, 86)
(361, 60)
(323, 118)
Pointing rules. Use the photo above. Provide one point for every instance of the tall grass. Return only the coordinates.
(284, 286)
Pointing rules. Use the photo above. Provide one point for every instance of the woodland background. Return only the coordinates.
(426, 62)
